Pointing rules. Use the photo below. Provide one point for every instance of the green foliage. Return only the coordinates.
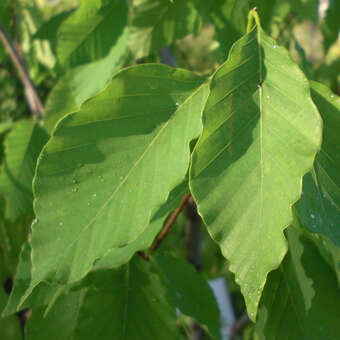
(247, 147)
(73, 88)
(190, 292)
(99, 180)
(319, 207)
(306, 289)
(83, 37)
(331, 24)
(157, 23)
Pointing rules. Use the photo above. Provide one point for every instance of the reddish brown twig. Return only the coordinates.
(170, 222)
(143, 255)
(32, 97)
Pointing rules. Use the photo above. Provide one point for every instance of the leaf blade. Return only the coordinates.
(77, 164)
(236, 169)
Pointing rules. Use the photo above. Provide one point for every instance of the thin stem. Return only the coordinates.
(171, 221)
(32, 97)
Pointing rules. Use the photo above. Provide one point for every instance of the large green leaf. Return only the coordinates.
(261, 133)
(22, 147)
(319, 206)
(301, 299)
(191, 293)
(158, 23)
(131, 302)
(107, 168)
(89, 33)
(83, 82)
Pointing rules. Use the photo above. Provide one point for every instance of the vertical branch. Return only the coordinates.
(32, 97)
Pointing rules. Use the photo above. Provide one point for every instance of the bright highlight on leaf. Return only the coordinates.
(261, 133)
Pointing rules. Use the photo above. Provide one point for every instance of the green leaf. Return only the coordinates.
(319, 206)
(301, 299)
(83, 82)
(89, 33)
(107, 168)
(59, 323)
(5, 127)
(261, 132)
(49, 29)
(331, 25)
(191, 293)
(158, 23)
(126, 303)
(22, 147)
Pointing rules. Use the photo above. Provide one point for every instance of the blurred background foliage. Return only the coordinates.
(307, 28)
(205, 32)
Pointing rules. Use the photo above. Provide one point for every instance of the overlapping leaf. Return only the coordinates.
(49, 29)
(191, 293)
(261, 133)
(158, 23)
(89, 33)
(301, 299)
(22, 147)
(109, 166)
(319, 206)
(127, 303)
(229, 18)
(83, 82)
